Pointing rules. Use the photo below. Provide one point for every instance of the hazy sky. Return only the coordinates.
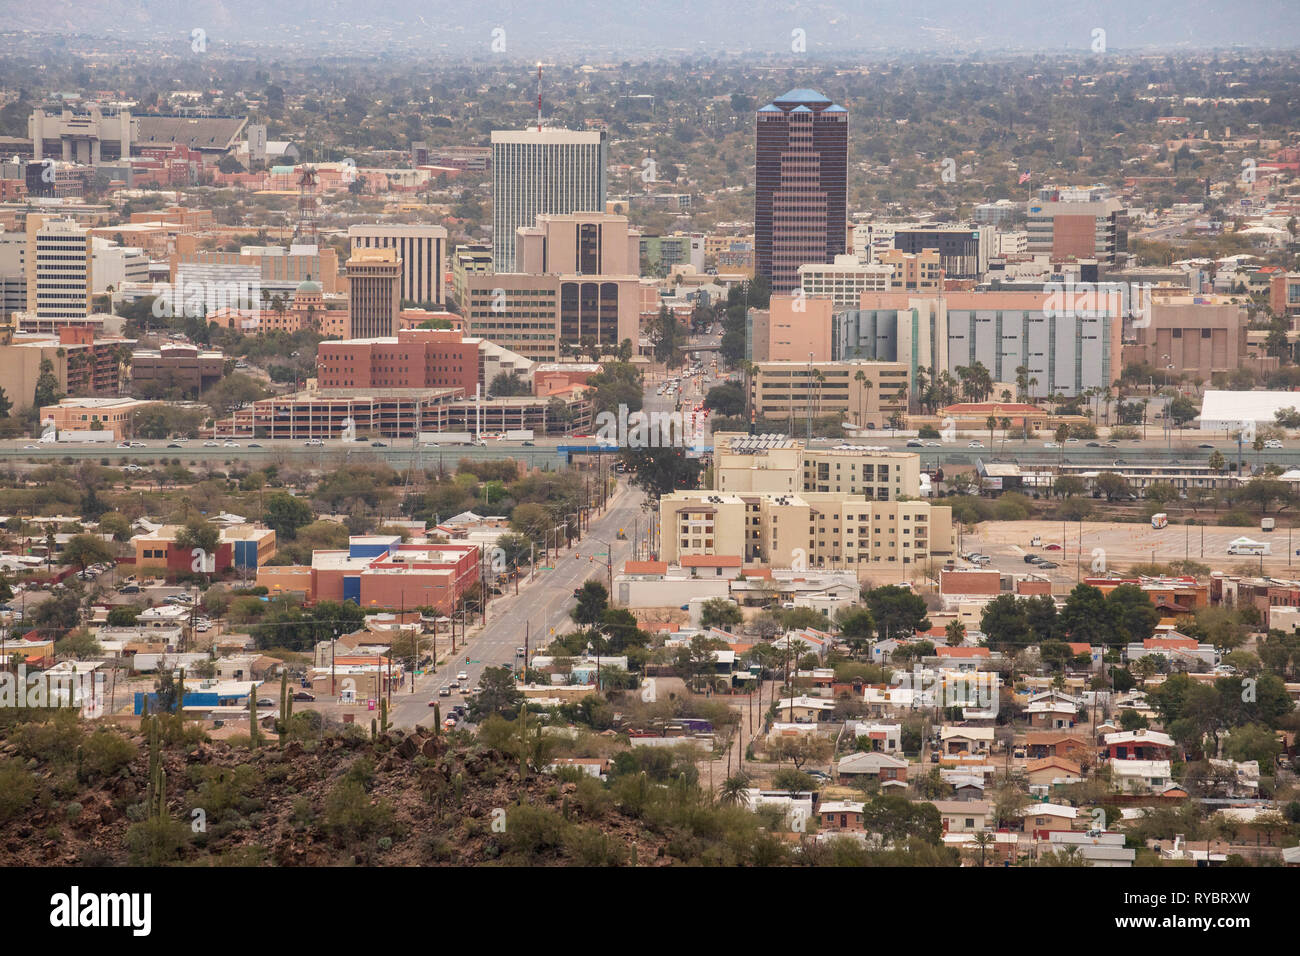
(459, 30)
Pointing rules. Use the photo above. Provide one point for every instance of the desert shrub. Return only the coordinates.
(105, 752)
(18, 789)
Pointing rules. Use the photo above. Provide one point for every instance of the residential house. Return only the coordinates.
(1052, 770)
(1140, 744)
(1044, 817)
(889, 769)
(803, 710)
(1140, 776)
(964, 816)
(841, 815)
(1042, 743)
(956, 740)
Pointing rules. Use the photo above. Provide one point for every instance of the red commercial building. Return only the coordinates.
(379, 572)
(414, 358)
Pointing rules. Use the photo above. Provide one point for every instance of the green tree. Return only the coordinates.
(84, 550)
(720, 612)
(498, 695)
(285, 514)
(47, 386)
(898, 611)
(1005, 623)
(593, 599)
(1086, 617)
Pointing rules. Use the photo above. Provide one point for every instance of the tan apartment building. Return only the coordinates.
(808, 529)
(865, 393)
(374, 293)
(774, 464)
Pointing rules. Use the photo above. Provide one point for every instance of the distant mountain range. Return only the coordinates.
(609, 27)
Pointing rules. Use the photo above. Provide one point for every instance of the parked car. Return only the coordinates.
(304, 695)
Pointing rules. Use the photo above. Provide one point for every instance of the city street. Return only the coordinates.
(541, 608)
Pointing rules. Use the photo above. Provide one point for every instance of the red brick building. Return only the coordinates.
(414, 358)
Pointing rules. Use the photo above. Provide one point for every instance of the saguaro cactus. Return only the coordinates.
(252, 720)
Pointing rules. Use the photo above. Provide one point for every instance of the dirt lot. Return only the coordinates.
(1117, 546)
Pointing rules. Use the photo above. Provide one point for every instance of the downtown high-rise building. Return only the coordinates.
(542, 172)
(801, 167)
(422, 249)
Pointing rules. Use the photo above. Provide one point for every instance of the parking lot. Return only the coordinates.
(1096, 547)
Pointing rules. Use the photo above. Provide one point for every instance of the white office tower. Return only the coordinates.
(538, 172)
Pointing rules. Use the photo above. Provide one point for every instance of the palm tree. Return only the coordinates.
(866, 390)
(983, 839)
(735, 790)
(860, 377)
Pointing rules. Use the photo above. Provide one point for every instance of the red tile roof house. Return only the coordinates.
(962, 653)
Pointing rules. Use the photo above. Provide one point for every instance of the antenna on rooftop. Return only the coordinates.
(539, 96)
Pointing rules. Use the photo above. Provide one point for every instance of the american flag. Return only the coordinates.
(1024, 177)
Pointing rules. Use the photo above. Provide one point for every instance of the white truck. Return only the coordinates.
(1247, 546)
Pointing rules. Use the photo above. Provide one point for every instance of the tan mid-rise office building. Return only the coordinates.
(865, 393)
(805, 530)
(374, 293)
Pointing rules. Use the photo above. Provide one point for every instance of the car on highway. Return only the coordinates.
(975, 444)
(444, 691)
(450, 723)
(138, 444)
(253, 444)
(462, 676)
(1050, 444)
(1204, 445)
(914, 443)
(454, 685)
(230, 444)
(1093, 444)
(174, 445)
(304, 695)
(211, 444)
(124, 444)
(379, 444)
(313, 443)
(1273, 444)
(933, 444)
